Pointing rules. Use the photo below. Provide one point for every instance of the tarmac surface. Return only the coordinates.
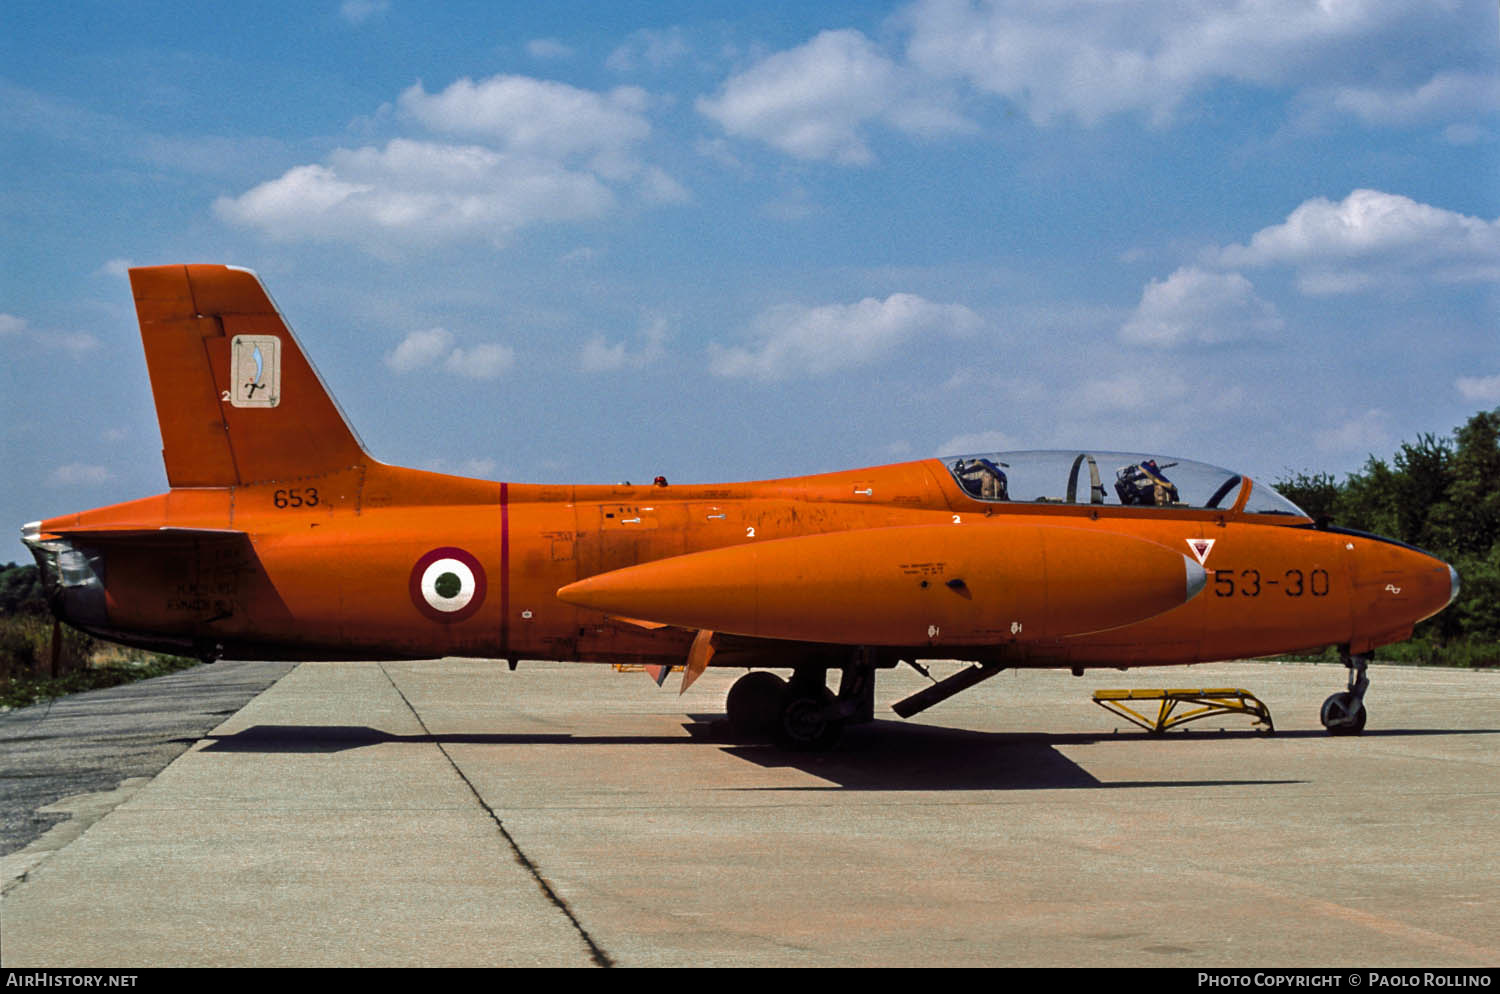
(90, 742)
(454, 813)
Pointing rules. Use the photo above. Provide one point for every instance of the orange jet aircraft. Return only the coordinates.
(280, 537)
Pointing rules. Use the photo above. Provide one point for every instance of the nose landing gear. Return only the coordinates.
(1344, 713)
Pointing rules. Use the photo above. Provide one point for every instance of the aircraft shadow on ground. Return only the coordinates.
(338, 738)
(883, 755)
(889, 756)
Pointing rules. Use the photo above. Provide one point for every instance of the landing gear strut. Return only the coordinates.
(809, 719)
(1344, 713)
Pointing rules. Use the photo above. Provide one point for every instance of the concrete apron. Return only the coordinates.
(453, 813)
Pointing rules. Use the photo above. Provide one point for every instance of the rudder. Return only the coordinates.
(237, 400)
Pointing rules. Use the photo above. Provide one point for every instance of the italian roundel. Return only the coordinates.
(447, 585)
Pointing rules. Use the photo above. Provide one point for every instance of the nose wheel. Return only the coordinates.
(1344, 713)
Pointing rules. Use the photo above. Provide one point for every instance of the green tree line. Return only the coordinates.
(27, 633)
(1441, 495)
(20, 591)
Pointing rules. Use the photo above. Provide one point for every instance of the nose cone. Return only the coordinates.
(1434, 584)
(1399, 586)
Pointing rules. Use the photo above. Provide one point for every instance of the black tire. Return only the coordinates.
(1341, 716)
(754, 703)
(804, 724)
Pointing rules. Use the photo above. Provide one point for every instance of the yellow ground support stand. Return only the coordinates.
(1209, 703)
(636, 668)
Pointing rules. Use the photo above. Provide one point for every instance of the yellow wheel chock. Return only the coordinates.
(1209, 703)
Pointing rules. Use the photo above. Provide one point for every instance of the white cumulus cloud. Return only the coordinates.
(420, 349)
(417, 192)
(1372, 238)
(1089, 60)
(977, 441)
(548, 48)
(435, 346)
(648, 47)
(1482, 389)
(1193, 306)
(534, 116)
(817, 100)
(1127, 393)
(599, 356)
(795, 341)
(512, 152)
(1365, 432)
(75, 343)
(1448, 96)
(482, 362)
(76, 474)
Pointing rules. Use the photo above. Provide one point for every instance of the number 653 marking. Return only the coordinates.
(295, 497)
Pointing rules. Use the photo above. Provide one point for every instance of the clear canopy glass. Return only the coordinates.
(1117, 479)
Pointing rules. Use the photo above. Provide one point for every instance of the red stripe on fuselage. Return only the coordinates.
(504, 569)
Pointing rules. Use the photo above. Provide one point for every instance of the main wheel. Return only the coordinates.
(754, 703)
(1341, 714)
(804, 724)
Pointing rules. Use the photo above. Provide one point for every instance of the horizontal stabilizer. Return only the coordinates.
(116, 532)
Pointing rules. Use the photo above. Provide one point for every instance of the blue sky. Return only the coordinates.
(598, 242)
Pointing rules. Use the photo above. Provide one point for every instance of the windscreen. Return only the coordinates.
(1118, 479)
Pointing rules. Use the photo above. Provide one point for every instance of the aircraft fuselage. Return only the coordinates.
(327, 570)
(280, 537)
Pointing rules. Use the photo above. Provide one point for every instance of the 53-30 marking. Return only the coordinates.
(1250, 583)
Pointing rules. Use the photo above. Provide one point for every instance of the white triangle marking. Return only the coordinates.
(1201, 548)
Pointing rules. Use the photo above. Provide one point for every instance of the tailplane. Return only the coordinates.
(237, 400)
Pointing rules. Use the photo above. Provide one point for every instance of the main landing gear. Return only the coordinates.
(754, 703)
(1344, 713)
(802, 714)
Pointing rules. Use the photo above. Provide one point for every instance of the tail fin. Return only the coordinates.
(237, 400)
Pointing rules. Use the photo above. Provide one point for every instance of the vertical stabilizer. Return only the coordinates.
(237, 400)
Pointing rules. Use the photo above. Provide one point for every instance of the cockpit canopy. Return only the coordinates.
(1117, 479)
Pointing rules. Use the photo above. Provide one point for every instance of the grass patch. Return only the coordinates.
(25, 691)
(84, 662)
